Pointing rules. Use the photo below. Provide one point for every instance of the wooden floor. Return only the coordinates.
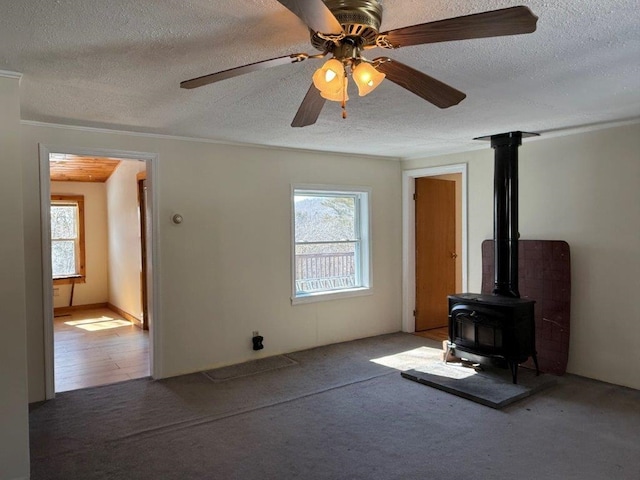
(438, 334)
(96, 347)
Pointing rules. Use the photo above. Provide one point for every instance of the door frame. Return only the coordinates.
(153, 281)
(409, 232)
(141, 181)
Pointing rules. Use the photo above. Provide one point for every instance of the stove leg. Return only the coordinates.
(535, 362)
(513, 366)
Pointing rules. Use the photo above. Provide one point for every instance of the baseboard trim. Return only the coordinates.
(136, 321)
(68, 310)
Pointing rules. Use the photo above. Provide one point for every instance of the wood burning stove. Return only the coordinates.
(492, 328)
(498, 328)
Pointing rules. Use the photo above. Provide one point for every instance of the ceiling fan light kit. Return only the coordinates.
(345, 28)
(367, 78)
(330, 79)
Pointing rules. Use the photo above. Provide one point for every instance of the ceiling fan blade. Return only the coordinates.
(496, 23)
(310, 108)
(234, 72)
(315, 14)
(432, 90)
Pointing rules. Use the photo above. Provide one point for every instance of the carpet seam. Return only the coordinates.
(245, 375)
(216, 418)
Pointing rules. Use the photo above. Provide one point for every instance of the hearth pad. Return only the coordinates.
(491, 386)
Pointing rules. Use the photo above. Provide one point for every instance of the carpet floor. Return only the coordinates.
(339, 412)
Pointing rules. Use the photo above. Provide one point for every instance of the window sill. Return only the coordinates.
(69, 280)
(331, 295)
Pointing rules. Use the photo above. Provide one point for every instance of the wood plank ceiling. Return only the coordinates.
(75, 168)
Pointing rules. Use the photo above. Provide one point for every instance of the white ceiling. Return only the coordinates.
(118, 64)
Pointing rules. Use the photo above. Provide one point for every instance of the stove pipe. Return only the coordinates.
(505, 211)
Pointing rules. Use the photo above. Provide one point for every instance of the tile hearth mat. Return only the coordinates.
(492, 387)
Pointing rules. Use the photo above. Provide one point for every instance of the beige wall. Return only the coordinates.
(583, 189)
(14, 428)
(226, 270)
(125, 261)
(95, 289)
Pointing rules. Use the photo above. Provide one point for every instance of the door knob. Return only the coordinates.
(454, 255)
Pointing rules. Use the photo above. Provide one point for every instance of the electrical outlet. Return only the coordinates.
(56, 292)
(257, 340)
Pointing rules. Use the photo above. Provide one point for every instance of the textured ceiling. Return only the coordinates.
(118, 64)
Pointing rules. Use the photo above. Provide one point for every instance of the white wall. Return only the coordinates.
(225, 271)
(125, 261)
(95, 289)
(14, 427)
(584, 189)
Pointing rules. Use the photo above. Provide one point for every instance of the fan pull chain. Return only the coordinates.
(344, 97)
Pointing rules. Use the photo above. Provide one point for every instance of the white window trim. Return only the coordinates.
(366, 270)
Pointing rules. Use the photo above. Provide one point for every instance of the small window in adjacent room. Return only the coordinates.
(331, 251)
(67, 238)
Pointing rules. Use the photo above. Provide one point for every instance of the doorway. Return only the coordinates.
(435, 252)
(95, 320)
(453, 254)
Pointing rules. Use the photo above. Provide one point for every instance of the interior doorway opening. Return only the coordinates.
(437, 230)
(97, 268)
(418, 276)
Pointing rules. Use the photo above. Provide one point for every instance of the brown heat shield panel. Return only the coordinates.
(544, 275)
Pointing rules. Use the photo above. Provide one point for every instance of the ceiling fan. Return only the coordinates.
(344, 29)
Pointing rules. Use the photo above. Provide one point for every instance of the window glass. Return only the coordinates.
(63, 221)
(67, 251)
(63, 258)
(325, 218)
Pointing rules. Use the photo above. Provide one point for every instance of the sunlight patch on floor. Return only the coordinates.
(411, 359)
(454, 371)
(95, 324)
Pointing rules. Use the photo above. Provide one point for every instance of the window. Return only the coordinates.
(330, 244)
(67, 238)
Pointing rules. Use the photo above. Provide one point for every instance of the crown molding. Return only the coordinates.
(544, 135)
(9, 74)
(109, 131)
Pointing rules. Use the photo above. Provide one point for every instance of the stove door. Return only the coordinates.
(477, 327)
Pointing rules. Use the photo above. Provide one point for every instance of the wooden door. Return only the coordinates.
(435, 206)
